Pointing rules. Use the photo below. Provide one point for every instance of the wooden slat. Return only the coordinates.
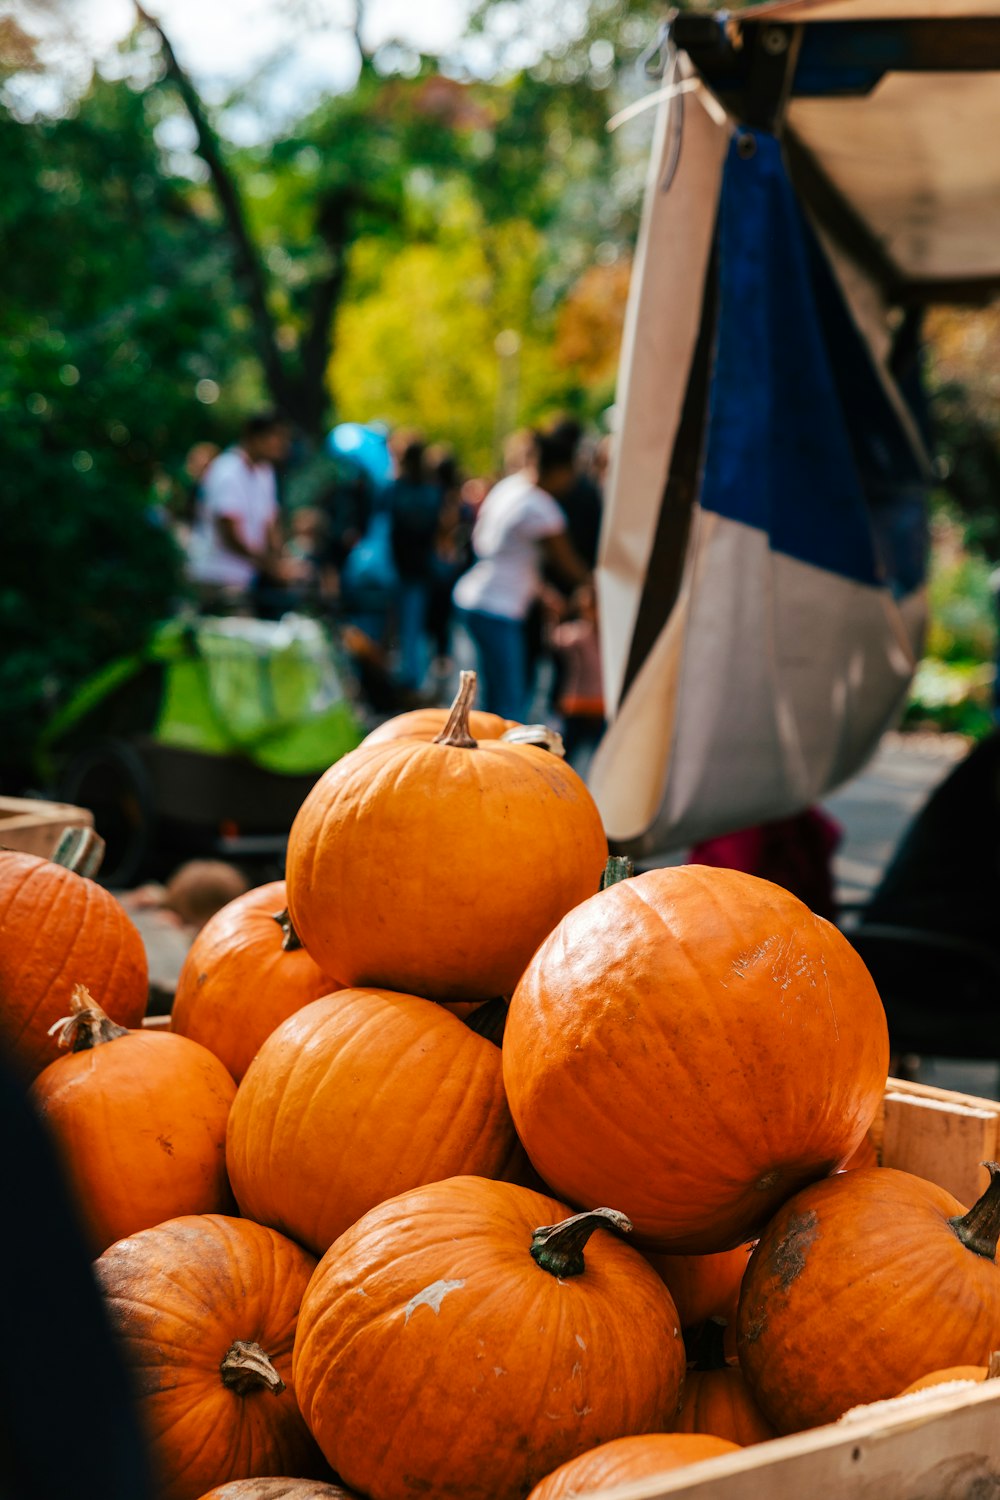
(944, 1142)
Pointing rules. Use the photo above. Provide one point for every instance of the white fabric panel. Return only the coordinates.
(661, 329)
(871, 10)
(712, 738)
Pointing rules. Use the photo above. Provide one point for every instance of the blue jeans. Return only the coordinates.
(412, 597)
(501, 647)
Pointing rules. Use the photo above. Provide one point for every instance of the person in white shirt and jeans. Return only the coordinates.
(519, 527)
(236, 540)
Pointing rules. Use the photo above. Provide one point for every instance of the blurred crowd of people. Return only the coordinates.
(390, 541)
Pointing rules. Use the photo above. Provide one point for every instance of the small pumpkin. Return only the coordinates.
(744, 1032)
(427, 723)
(280, 1489)
(448, 1301)
(140, 1120)
(360, 1096)
(719, 1403)
(627, 1459)
(205, 1309)
(245, 973)
(957, 1372)
(436, 869)
(703, 1286)
(59, 929)
(872, 1249)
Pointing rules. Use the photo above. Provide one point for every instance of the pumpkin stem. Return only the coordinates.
(246, 1368)
(617, 868)
(80, 850)
(88, 1026)
(456, 731)
(558, 1248)
(979, 1229)
(292, 942)
(489, 1020)
(536, 734)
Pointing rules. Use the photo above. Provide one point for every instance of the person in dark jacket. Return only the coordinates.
(415, 516)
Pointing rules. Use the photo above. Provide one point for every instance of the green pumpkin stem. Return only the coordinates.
(558, 1248)
(246, 1368)
(89, 1026)
(456, 732)
(80, 850)
(979, 1229)
(617, 868)
(489, 1020)
(291, 941)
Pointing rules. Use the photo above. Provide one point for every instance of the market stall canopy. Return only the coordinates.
(820, 172)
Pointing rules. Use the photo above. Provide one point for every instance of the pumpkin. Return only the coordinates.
(427, 723)
(703, 1286)
(245, 973)
(140, 1120)
(736, 1041)
(279, 1489)
(718, 1402)
(866, 1252)
(627, 1459)
(358, 1097)
(865, 1156)
(59, 929)
(205, 1309)
(957, 1372)
(447, 1346)
(436, 869)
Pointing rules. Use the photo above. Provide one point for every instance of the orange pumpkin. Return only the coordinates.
(280, 1489)
(718, 1403)
(875, 1249)
(57, 930)
(436, 869)
(245, 973)
(864, 1156)
(140, 1120)
(356, 1098)
(427, 723)
(703, 1286)
(448, 1301)
(205, 1309)
(736, 1038)
(626, 1459)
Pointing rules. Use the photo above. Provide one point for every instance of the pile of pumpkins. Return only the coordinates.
(473, 1167)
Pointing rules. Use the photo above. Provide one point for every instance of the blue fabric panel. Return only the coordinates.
(801, 437)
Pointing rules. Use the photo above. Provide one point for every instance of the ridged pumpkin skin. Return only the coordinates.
(437, 870)
(58, 930)
(627, 1459)
(141, 1126)
(180, 1296)
(703, 1286)
(239, 982)
(435, 1357)
(356, 1098)
(427, 723)
(719, 1403)
(857, 1285)
(280, 1489)
(736, 1040)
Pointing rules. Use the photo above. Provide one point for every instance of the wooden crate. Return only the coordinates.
(33, 827)
(935, 1446)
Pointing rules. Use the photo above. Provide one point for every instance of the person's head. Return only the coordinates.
(408, 448)
(200, 888)
(198, 459)
(266, 438)
(442, 466)
(307, 525)
(554, 462)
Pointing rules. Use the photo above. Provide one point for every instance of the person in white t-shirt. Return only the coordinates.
(236, 538)
(519, 528)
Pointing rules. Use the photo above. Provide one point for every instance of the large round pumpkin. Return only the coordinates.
(694, 1045)
(356, 1098)
(280, 1489)
(140, 1120)
(57, 930)
(245, 973)
(427, 723)
(703, 1286)
(436, 869)
(719, 1403)
(448, 1346)
(205, 1308)
(627, 1459)
(861, 1284)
